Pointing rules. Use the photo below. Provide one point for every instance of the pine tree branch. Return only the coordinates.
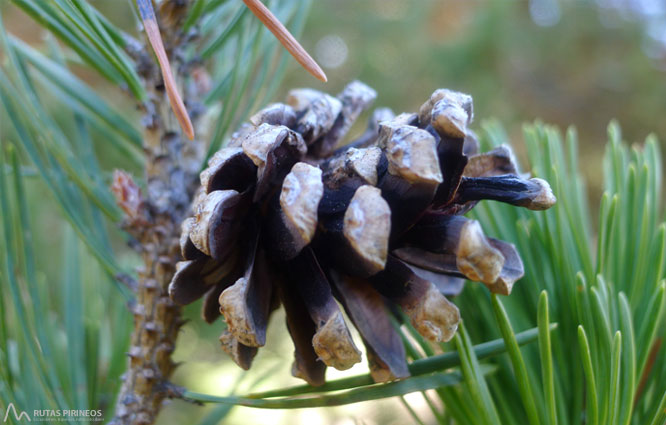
(171, 169)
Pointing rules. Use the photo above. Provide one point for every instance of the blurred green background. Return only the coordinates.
(578, 63)
(568, 62)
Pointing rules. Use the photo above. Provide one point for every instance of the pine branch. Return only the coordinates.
(171, 167)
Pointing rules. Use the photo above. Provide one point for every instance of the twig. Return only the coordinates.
(153, 220)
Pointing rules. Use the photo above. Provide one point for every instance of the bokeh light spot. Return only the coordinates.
(331, 51)
(545, 13)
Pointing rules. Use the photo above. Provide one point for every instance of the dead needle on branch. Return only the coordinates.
(153, 33)
(285, 37)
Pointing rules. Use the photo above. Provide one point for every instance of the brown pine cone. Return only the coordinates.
(284, 216)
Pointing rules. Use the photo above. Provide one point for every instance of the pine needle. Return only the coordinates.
(285, 37)
(154, 37)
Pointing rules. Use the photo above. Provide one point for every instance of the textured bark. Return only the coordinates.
(171, 171)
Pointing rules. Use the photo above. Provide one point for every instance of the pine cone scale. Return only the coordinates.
(367, 310)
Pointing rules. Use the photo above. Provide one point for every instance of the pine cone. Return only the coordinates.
(283, 217)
